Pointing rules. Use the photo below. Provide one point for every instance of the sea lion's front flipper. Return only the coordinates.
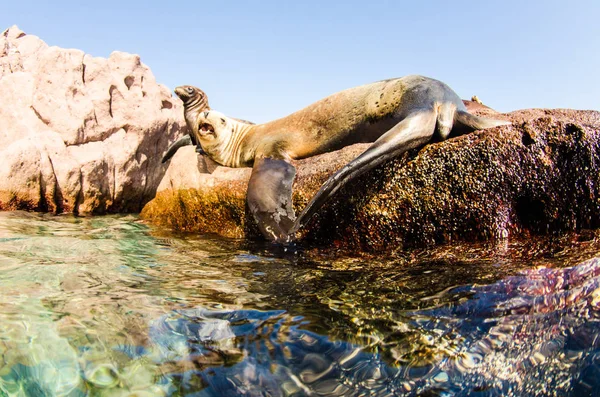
(414, 131)
(270, 197)
(181, 142)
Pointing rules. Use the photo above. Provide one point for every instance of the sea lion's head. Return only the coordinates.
(193, 97)
(215, 131)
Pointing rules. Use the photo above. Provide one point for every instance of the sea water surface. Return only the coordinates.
(109, 306)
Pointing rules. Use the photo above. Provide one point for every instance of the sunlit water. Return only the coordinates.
(109, 306)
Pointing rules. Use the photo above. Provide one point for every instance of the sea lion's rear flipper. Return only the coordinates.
(465, 122)
(181, 142)
(412, 132)
(270, 197)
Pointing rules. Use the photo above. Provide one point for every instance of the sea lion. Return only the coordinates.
(194, 101)
(396, 115)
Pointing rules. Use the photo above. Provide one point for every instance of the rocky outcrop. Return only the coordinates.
(79, 133)
(85, 135)
(539, 175)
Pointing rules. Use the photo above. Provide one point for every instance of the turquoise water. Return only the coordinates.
(109, 306)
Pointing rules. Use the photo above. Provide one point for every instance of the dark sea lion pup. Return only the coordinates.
(194, 102)
(396, 115)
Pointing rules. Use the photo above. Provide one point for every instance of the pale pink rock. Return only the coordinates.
(80, 133)
(188, 170)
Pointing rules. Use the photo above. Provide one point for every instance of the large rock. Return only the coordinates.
(78, 133)
(539, 175)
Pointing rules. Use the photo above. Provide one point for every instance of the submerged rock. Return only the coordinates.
(539, 175)
(79, 133)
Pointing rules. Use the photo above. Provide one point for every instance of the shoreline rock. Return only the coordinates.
(80, 134)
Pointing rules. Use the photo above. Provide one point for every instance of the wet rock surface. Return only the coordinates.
(536, 176)
(79, 133)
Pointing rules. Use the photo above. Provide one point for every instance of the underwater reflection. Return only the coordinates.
(531, 334)
(108, 306)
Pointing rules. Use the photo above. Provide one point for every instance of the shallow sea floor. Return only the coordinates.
(108, 306)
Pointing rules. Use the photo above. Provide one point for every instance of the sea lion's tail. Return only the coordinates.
(466, 122)
(181, 142)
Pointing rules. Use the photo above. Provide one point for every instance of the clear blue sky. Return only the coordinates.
(261, 60)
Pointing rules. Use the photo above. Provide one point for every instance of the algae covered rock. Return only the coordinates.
(538, 175)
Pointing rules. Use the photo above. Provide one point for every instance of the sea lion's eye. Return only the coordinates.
(223, 120)
(189, 90)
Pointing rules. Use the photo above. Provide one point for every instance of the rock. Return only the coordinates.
(78, 133)
(539, 175)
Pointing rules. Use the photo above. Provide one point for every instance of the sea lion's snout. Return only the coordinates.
(180, 91)
(185, 92)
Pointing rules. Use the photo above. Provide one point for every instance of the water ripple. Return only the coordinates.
(108, 306)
